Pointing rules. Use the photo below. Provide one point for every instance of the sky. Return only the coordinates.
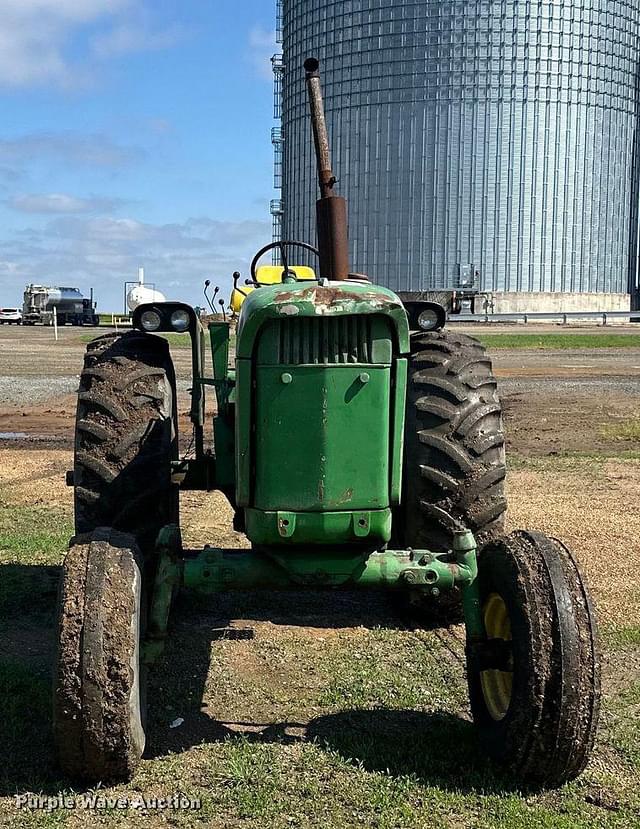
(133, 133)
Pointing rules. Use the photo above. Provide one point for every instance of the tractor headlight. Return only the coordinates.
(428, 319)
(150, 321)
(180, 321)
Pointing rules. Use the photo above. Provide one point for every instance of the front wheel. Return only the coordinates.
(535, 684)
(99, 682)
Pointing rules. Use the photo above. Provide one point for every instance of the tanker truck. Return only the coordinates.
(71, 307)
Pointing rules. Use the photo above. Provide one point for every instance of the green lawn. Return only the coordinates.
(174, 340)
(106, 317)
(570, 460)
(628, 429)
(494, 341)
(558, 341)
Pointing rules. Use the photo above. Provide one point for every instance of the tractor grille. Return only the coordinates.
(325, 340)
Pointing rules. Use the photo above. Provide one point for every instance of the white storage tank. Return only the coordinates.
(141, 294)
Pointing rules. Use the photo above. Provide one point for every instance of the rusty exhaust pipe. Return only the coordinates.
(331, 210)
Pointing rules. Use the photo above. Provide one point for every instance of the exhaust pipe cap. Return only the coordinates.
(312, 65)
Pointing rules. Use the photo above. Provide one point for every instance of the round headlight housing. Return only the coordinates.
(180, 321)
(150, 320)
(428, 320)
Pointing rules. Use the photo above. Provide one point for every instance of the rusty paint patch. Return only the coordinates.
(329, 296)
(297, 296)
(326, 297)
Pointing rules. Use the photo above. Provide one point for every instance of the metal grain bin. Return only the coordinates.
(486, 138)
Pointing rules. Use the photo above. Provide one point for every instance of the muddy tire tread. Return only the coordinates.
(97, 645)
(126, 436)
(455, 455)
(547, 737)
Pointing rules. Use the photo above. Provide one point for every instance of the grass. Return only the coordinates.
(625, 733)
(388, 671)
(570, 459)
(624, 430)
(175, 340)
(495, 341)
(619, 638)
(33, 535)
(25, 724)
(106, 317)
(559, 341)
(312, 720)
(32, 544)
(179, 341)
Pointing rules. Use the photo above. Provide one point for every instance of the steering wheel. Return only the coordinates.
(282, 247)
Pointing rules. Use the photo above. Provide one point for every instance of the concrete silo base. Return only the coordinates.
(546, 302)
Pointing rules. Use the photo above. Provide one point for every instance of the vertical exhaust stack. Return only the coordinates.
(331, 210)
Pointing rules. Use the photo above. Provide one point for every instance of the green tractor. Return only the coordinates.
(360, 446)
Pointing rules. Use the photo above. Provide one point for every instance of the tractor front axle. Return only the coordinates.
(214, 570)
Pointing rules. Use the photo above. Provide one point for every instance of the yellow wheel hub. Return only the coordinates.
(497, 685)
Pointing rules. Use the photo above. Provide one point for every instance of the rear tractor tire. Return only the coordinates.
(454, 444)
(126, 437)
(454, 462)
(535, 701)
(99, 681)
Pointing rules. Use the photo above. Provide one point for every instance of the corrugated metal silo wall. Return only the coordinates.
(494, 132)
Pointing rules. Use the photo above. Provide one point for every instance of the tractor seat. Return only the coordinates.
(269, 275)
(272, 274)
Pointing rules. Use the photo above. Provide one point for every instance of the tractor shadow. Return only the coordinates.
(438, 748)
(27, 653)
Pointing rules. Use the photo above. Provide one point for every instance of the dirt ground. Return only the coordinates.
(272, 671)
(557, 405)
(554, 401)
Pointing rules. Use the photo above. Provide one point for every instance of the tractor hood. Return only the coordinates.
(313, 299)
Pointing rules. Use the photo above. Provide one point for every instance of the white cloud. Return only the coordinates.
(94, 150)
(82, 10)
(36, 36)
(262, 46)
(103, 252)
(64, 11)
(132, 37)
(61, 203)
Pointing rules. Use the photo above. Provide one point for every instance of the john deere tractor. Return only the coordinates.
(360, 445)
